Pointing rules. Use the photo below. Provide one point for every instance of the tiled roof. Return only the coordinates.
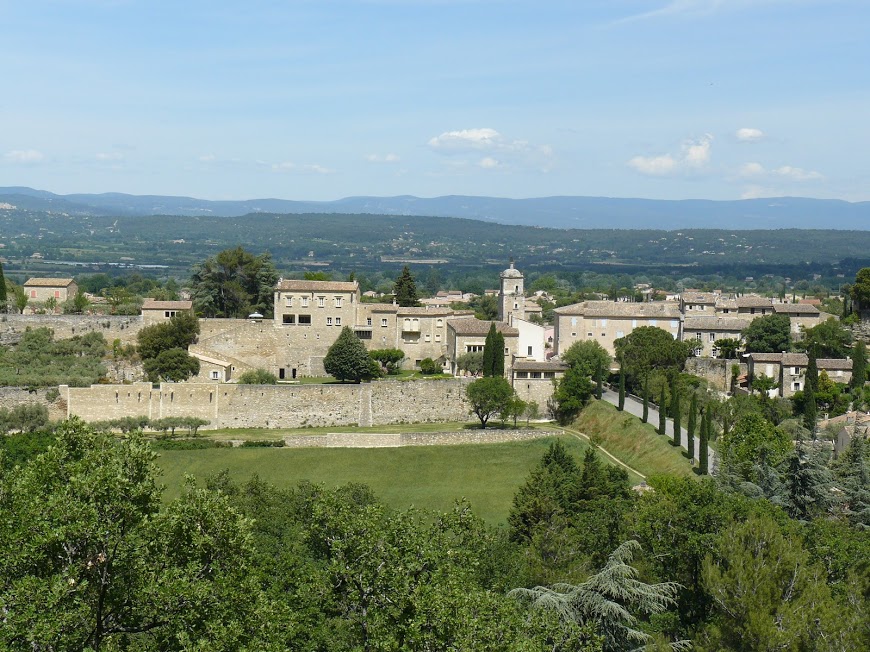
(151, 304)
(426, 310)
(726, 302)
(699, 297)
(292, 285)
(795, 309)
(795, 359)
(48, 282)
(834, 363)
(766, 357)
(754, 301)
(650, 310)
(715, 324)
(472, 326)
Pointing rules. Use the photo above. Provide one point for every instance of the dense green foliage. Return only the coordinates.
(347, 358)
(38, 360)
(827, 340)
(647, 349)
(572, 393)
(493, 353)
(257, 377)
(234, 283)
(163, 348)
(768, 334)
(390, 360)
(489, 396)
(588, 356)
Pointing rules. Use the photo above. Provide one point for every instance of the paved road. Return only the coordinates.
(634, 405)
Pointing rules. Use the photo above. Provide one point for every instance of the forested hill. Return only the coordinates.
(554, 212)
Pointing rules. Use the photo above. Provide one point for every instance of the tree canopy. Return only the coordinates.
(588, 356)
(347, 358)
(827, 340)
(234, 283)
(768, 334)
(405, 289)
(860, 290)
(650, 348)
(488, 396)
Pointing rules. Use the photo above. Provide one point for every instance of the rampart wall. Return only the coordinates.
(715, 371)
(275, 406)
(112, 327)
(12, 396)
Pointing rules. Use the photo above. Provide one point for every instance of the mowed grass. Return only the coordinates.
(635, 443)
(428, 477)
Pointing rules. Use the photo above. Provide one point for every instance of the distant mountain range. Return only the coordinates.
(553, 212)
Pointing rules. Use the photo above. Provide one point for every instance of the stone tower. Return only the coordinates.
(511, 295)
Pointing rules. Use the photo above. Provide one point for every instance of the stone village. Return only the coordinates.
(309, 315)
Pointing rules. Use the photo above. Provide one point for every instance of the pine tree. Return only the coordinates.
(489, 352)
(677, 417)
(645, 416)
(405, 289)
(702, 445)
(859, 365)
(690, 427)
(621, 405)
(807, 485)
(663, 412)
(853, 471)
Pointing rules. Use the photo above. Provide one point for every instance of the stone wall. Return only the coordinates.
(275, 406)
(393, 440)
(12, 396)
(123, 328)
(715, 371)
(539, 390)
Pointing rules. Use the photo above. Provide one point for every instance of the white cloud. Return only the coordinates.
(468, 139)
(754, 192)
(694, 154)
(109, 156)
(488, 163)
(757, 170)
(655, 166)
(24, 156)
(308, 168)
(749, 135)
(691, 8)
(387, 158)
(207, 158)
(798, 174)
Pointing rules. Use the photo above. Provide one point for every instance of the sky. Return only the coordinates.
(324, 99)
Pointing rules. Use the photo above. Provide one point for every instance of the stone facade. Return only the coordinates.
(535, 381)
(789, 370)
(40, 290)
(64, 326)
(275, 406)
(13, 396)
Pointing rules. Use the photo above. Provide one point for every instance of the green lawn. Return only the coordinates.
(633, 442)
(429, 477)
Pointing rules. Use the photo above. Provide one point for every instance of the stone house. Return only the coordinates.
(40, 290)
(801, 315)
(468, 335)
(789, 370)
(534, 380)
(156, 312)
(704, 331)
(693, 302)
(606, 321)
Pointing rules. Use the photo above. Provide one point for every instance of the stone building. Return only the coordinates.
(534, 380)
(606, 321)
(704, 331)
(802, 316)
(40, 290)
(468, 335)
(511, 295)
(156, 312)
(789, 370)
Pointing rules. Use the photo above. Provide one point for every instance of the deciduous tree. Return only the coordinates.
(488, 396)
(768, 334)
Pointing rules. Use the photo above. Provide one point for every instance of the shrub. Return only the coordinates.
(263, 443)
(429, 367)
(257, 377)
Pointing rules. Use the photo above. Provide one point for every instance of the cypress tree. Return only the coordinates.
(645, 417)
(621, 405)
(690, 427)
(489, 351)
(677, 417)
(2, 290)
(859, 362)
(498, 354)
(812, 382)
(599, 383)
(662, 412)
(405, 289)
(702, 447)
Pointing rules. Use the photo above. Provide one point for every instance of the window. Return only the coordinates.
(752, 311)
(522, 374)
(288, 320)
(383, 323)
(338, 321)
(516, 289)
(329, 321)
(57, 294)
(473, 348)
(796, 387)
(368, 321)
(795, 371)
(620, 334)
(428, 338)
(437, 337)
(634, 323)
(529, 351)
(725, 310)
(215, 375)
(288, 301)
(698, 336)
(364, 335)
(516, 306)
(305, 320)
(588, 334)
(439, 322)
(33, 294)
(506, 351)
(535, 374)
(321, 302)
(712, 337)
(603, 334)
(304, 302)
(338, 302)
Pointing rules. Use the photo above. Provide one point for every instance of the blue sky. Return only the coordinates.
(322, 99)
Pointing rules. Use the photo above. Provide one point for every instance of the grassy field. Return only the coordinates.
(633, 442)
(429, 477)
(279, 433)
